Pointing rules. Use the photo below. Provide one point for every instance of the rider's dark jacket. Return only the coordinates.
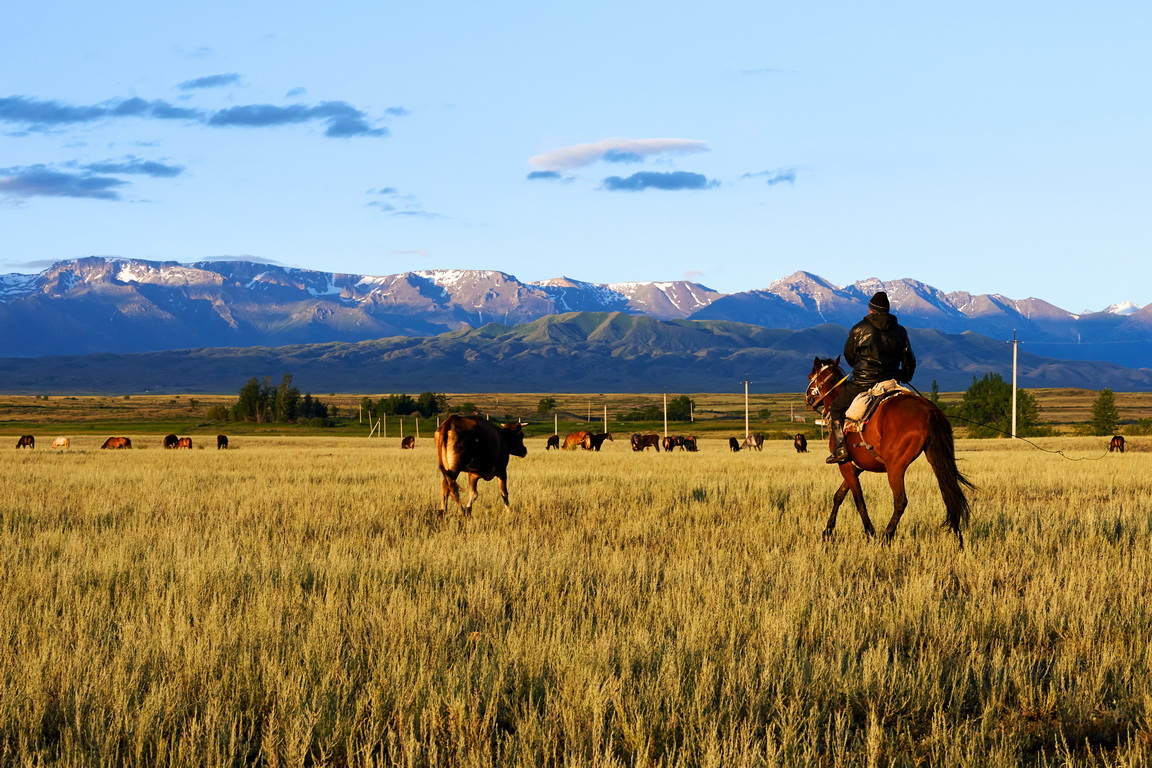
(878, 350)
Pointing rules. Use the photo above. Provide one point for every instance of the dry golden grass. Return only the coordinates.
(295, 601)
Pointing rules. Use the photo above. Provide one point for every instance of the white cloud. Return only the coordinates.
(580, 155)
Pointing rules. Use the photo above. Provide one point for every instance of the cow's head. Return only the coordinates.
(514, 439)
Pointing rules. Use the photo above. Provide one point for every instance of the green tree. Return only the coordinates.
(1105, 416)
(286, 401)
(987, 408)
(431, 403)
(935, 396)
(546, 405)
(680, 408)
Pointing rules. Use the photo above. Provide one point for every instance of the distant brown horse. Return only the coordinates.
(574, 440)
(221, 442)
(689, 444)
(407, 443)
(170, 441)
(1116, 444)
(553, 442)
(801, 443)
(184, 442)
(643, 442)
(901, 428)
(26, 441)
(117, 443)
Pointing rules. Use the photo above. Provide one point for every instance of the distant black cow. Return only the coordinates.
(26, 441)
(480, 448)
(801, 443)
(170, 441)
(1116, 444)
(689, 443)
(407, 443)
(593, 442)
(733, 444)
(553, 442)
(221, 442)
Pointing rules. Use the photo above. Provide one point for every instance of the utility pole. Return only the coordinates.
(605, 417)
(746, 430)
(1015, 347)
(665, 414)
(555, 422)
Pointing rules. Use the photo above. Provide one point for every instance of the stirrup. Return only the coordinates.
(840, 456)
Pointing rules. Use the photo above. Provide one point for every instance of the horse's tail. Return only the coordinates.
(941, 453)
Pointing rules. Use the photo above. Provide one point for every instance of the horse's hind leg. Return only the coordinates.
(899, 499)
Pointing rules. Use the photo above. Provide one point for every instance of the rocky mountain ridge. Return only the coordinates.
(110, 305)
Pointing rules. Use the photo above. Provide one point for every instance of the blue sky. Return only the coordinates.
(981, 147)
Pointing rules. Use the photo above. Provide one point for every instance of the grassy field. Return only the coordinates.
(717, 415)
(296, 601)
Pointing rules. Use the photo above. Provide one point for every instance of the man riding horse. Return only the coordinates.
(878, 350)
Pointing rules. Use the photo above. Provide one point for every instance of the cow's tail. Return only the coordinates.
(452, 448)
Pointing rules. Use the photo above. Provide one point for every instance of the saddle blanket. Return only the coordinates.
(865, 403)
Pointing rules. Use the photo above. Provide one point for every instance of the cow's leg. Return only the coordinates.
(472, 493)
(502, 479)
(449, 488)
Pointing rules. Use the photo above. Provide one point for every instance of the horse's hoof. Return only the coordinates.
(828, 533)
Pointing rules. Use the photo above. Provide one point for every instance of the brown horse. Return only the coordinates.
(184, 442)
(1116, 444)
(117, 443)
(408, 443)
(26, 441)
(902, 427)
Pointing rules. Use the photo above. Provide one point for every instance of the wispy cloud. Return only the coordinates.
(614, 150)
(343, 119)
(133, 165)
(211, 81)
(548, 176)
(45, 181)
(396, 203)
(774, 177)
(672, 181)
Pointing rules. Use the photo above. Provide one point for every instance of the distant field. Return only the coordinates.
(295, 601)
(716, 414)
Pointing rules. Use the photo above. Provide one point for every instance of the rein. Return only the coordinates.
(814, 395)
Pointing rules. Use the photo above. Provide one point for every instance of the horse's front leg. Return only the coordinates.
(899, 500)
(837, 500)
(852, 479)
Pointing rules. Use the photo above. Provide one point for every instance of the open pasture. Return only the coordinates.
(295, 601)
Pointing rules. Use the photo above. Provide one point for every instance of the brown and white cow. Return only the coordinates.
(480, 448)
(1116, 444)
(117, 443)
(407, 443)
(642, 442)
(26, 441)
(800, 443)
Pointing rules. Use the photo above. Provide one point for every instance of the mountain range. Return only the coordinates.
(99, 304)
(571, 352)
(129, 315)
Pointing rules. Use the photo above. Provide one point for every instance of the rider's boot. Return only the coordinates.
(840, 446)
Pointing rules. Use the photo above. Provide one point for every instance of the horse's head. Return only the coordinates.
(822, 382)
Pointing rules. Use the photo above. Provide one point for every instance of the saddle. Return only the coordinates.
(866, 403)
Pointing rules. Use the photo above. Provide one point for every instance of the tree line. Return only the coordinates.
(986, 410)
(261, 401)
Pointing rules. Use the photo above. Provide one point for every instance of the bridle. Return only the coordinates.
(814, 396)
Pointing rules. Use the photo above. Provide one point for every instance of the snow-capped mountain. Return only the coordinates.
(101, 304)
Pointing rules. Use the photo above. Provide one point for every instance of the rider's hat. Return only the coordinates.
(879, 302)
